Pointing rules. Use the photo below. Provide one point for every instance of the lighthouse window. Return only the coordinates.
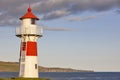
(32, 21)
(35, 66)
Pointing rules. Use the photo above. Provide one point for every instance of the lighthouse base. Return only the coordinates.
(29, 68)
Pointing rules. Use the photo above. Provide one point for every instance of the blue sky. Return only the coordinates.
(83, 37)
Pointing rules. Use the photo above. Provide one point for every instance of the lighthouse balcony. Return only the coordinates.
(29, 32)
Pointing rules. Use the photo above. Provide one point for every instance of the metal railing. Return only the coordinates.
(29, 31)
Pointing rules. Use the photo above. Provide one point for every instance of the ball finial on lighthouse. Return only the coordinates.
(29, 33)
(29, 8)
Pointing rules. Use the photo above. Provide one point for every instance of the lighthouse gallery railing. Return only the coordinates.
(29, 31)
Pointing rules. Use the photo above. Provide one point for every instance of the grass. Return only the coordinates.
(23, 79)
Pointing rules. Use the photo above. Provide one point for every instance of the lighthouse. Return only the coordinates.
(28, 33)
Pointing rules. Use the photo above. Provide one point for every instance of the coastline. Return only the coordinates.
(14, 67)
(23, 79)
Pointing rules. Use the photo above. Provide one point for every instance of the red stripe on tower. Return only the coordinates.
(31, 49)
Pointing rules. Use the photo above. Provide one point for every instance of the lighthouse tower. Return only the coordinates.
(28, 33)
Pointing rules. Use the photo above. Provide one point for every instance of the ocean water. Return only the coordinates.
(71, 75)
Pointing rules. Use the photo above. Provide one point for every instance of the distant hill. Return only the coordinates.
(14, 67)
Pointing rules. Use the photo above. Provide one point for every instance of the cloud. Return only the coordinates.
(87, 17)
(11, 10)
(118, 11)
(82, 18)
(55, 14)
(6, 20)
(57, 29)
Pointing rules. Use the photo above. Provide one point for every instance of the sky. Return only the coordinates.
(79, 34)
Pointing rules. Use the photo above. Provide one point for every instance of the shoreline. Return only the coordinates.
(23, 79)
(14, 67)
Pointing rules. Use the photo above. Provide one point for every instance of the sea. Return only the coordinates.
(70, 75)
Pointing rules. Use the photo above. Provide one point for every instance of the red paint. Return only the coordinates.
(23, 47)
(29, 14)
(31, 49)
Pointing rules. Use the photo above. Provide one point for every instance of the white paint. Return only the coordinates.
(27, 27)
(28, 68)
(28, 64)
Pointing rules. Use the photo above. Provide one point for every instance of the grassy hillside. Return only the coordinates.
(9, 66)
(23, 79)
(14, 67)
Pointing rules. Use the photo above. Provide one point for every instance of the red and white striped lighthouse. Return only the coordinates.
(29, 33)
